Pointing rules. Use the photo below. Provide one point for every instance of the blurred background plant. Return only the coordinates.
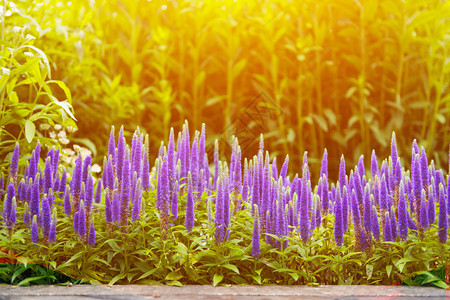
(339, 74)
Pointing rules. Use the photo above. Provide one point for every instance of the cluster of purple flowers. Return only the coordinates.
(385, 202)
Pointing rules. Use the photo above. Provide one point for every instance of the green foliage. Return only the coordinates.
(28, 96)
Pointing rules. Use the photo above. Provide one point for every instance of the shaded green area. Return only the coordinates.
(435, 278)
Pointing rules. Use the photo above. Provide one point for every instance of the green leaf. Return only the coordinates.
(27, 281)
(232, 268)
(389, 270)
(174, 275)
(30, 130)
(369, 271)
(117, 278)
(174, 283)
(217, 279)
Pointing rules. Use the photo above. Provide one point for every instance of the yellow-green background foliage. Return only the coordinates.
(338, 74)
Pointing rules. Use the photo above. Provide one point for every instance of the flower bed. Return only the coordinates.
(239, 221)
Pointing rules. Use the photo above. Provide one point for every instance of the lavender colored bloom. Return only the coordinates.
(415, 148)
(394, 152)
(52, 233)
(218, 218)
(383, 194)
(171, 157)
(91, 238)
(402, 214)
(67, 203)
(375, 223)
(194, 164)
(338, 223)
(35, 197)
(424, 222)
(324, 165)
(190, 217)
(82, 221)
(361, 168)
(120, 154)
(46, 217)
(125, 191)
(98, 192)
(136, 150)
(12, 214)
(14, 167)
(387, 228)
(2, 184)
(26, 215)
(374, 164)
(136, 204)
(284, 167)
(75, 221)
(318, 214)
(274, 168)
(443, 219)
(145, 175)
(345, 205)
(89, 192)
(108, 207)
(86, 166)
(111, 143)
(55, 161)
(201, 146)
(109, 175)
(48, 171)
(63, 182)
(304, 217)
(342, 172)
(431, 206)
(21, 190)
(416, 182)
(256, 246)
(216, 163)
(424, 169)
(75, 183)
(174, 204)
(34, 230)
(367, 218)
(163, 189)
(10, 195)
(305, 170)
(393, 225)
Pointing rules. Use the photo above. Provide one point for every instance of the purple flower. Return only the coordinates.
(52, 233)
(26, 215)
(402, 214)
(274, 168)
(361, 169)
(342, 172)
(416, 179)
(125, 191)
(415, 148)
(423, 211)
(216, 163)
(171, 157)
(111, 143)
(48, 171)
(91, 238)
(383, 195)
(7, 208)
(387, 228)
(55, 161)
(174, 204)
(218, 218)
(284, 168)
(136, 205)
(375, 223)
(305, 170)
(108, 207)
(136, 153)
(304, 217)
(34, 230)
(120, 154)
(367, 218)
(394, 152)
(46, 217)
(109, 175)
(393, 225)
(14, 167)
(35, 197)
(89, 192)
(194, 164)
(324, 165)
(338, 223)
(75, 183)
(201, 146)
(145, 175)
(2, 184)
(163, 190)
(443, 219)
(345, 206)
(190, 217)
(431, 206)
(67, 204)
(115, 206)
(98, 192)
(81, 221)
(374, 164)
(424, 169)
(256, 246)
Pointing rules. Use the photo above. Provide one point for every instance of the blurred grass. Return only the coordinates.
(337, 74)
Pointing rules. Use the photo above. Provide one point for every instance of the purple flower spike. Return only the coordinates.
(284, 168)
(201, 146)
(115, 206)
(174, 204)
(361, 168)
(218, 218)
(394, 152)
(375, 223)
(75, 184)
(393, 225)
(190, 218)
(305, 170)
(367, 218)
(35, 198)
(86, 166)
(137, 202)
(91, 239)
(424, 169)
(48, 171)
(194, 164)
(416, 182)
(89, 192)
(145, 175)
(67, 203)
(415, 148)
(345, 206)
(424, 223)
(109, 175)
(443, 219)
(2, 184)
(387, 228)
(10, 195)
(171, 157)
(125, 191)
(431, 206)
(120, 154)
(52, 233)
(216, 163)
(274, 168)
(342, 172)
(81, 220)
(34, 230)
(98, 192)
(256, 246)
(108, 207)
(12, 214)
(324, 165)
(338, 223)
(112, 144)
(304, 216)
(14, 167)
(26, 215)
(55, 161)
(46, 217)
(402, 214)
(163, 190)
(374, 164)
